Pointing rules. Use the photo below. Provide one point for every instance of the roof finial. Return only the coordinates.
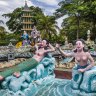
(25, 1)
(26, 6)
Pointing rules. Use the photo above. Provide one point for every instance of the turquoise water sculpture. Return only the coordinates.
(84, 84)
(41, 81)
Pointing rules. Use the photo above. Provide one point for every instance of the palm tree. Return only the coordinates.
(47, 25)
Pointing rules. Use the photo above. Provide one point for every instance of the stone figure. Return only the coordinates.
(81, 56)
(25, 37)
(40, 53)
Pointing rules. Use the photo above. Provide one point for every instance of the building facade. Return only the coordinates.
(27, 19)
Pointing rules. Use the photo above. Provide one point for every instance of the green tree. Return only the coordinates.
(36, 14)
(47, 25)
(15, 21)
(72, 9)
(89, 15)
(81, 13)
(2, 29)
(2, 36)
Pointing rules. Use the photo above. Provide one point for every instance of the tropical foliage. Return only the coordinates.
(15, 18)
(46, 24)
(81, 17)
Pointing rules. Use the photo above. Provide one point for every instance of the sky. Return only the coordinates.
(48, 7)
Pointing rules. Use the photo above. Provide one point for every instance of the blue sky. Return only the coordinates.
(48, 6)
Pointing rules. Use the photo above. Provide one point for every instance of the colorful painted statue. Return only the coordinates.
(44, 68)
(25, 37)
(82, 57)
(40, 53)
(41, 81)
(35, 35)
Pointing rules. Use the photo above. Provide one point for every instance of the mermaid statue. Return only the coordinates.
(33, 62)
(40, 80)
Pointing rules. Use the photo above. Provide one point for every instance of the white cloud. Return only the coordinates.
(7, 6)
(3, 3)
(49, 2)
(60, 20)
(48, 11)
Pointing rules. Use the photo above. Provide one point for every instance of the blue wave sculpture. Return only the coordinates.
(41, 81)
